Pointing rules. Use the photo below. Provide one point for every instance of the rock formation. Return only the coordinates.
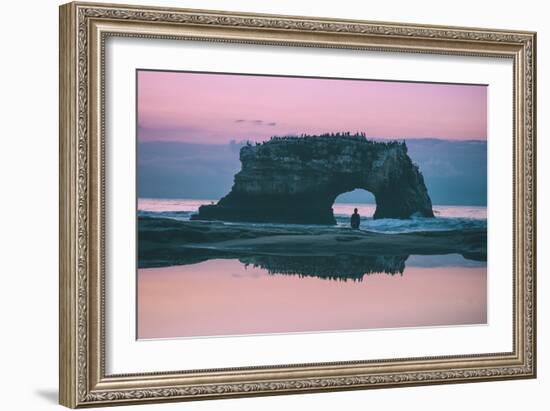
(297, 179)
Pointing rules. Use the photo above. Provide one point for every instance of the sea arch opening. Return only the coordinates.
(359, 198)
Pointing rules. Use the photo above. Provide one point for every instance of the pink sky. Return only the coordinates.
(218, 108)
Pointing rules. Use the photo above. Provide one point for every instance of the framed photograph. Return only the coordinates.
(260, 204)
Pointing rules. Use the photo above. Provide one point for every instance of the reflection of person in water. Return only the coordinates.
(355, 219)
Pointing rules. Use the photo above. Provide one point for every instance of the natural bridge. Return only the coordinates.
(297, 179)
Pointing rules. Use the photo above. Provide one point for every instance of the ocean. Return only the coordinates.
(448, 217)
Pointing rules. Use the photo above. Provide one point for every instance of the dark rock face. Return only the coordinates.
(297, 179)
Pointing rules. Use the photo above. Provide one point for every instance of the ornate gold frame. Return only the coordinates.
(83, 30)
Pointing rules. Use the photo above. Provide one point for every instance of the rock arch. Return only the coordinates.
(297, 179)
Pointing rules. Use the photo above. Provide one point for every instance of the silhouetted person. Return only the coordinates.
(355, 219)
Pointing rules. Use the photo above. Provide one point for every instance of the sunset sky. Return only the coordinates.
(218, 108)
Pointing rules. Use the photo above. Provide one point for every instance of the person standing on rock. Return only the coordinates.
(355, 219)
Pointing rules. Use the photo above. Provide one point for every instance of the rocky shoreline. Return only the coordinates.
(165, 242)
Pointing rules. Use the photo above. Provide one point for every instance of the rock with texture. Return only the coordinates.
(297, 179)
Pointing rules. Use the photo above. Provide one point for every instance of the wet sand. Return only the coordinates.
(165, 242)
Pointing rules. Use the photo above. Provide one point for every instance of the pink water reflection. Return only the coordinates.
(222, 297)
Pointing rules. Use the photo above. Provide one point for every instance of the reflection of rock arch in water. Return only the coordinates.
(339, 267)
(297, 179)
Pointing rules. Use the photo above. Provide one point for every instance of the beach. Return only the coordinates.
(168, 237)
(165, 242)
(194, 277)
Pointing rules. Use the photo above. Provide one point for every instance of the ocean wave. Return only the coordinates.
(415, 224)
(176, 215)
(384, 225)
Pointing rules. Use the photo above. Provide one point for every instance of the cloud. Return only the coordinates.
(257, 122)
(441, 167)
